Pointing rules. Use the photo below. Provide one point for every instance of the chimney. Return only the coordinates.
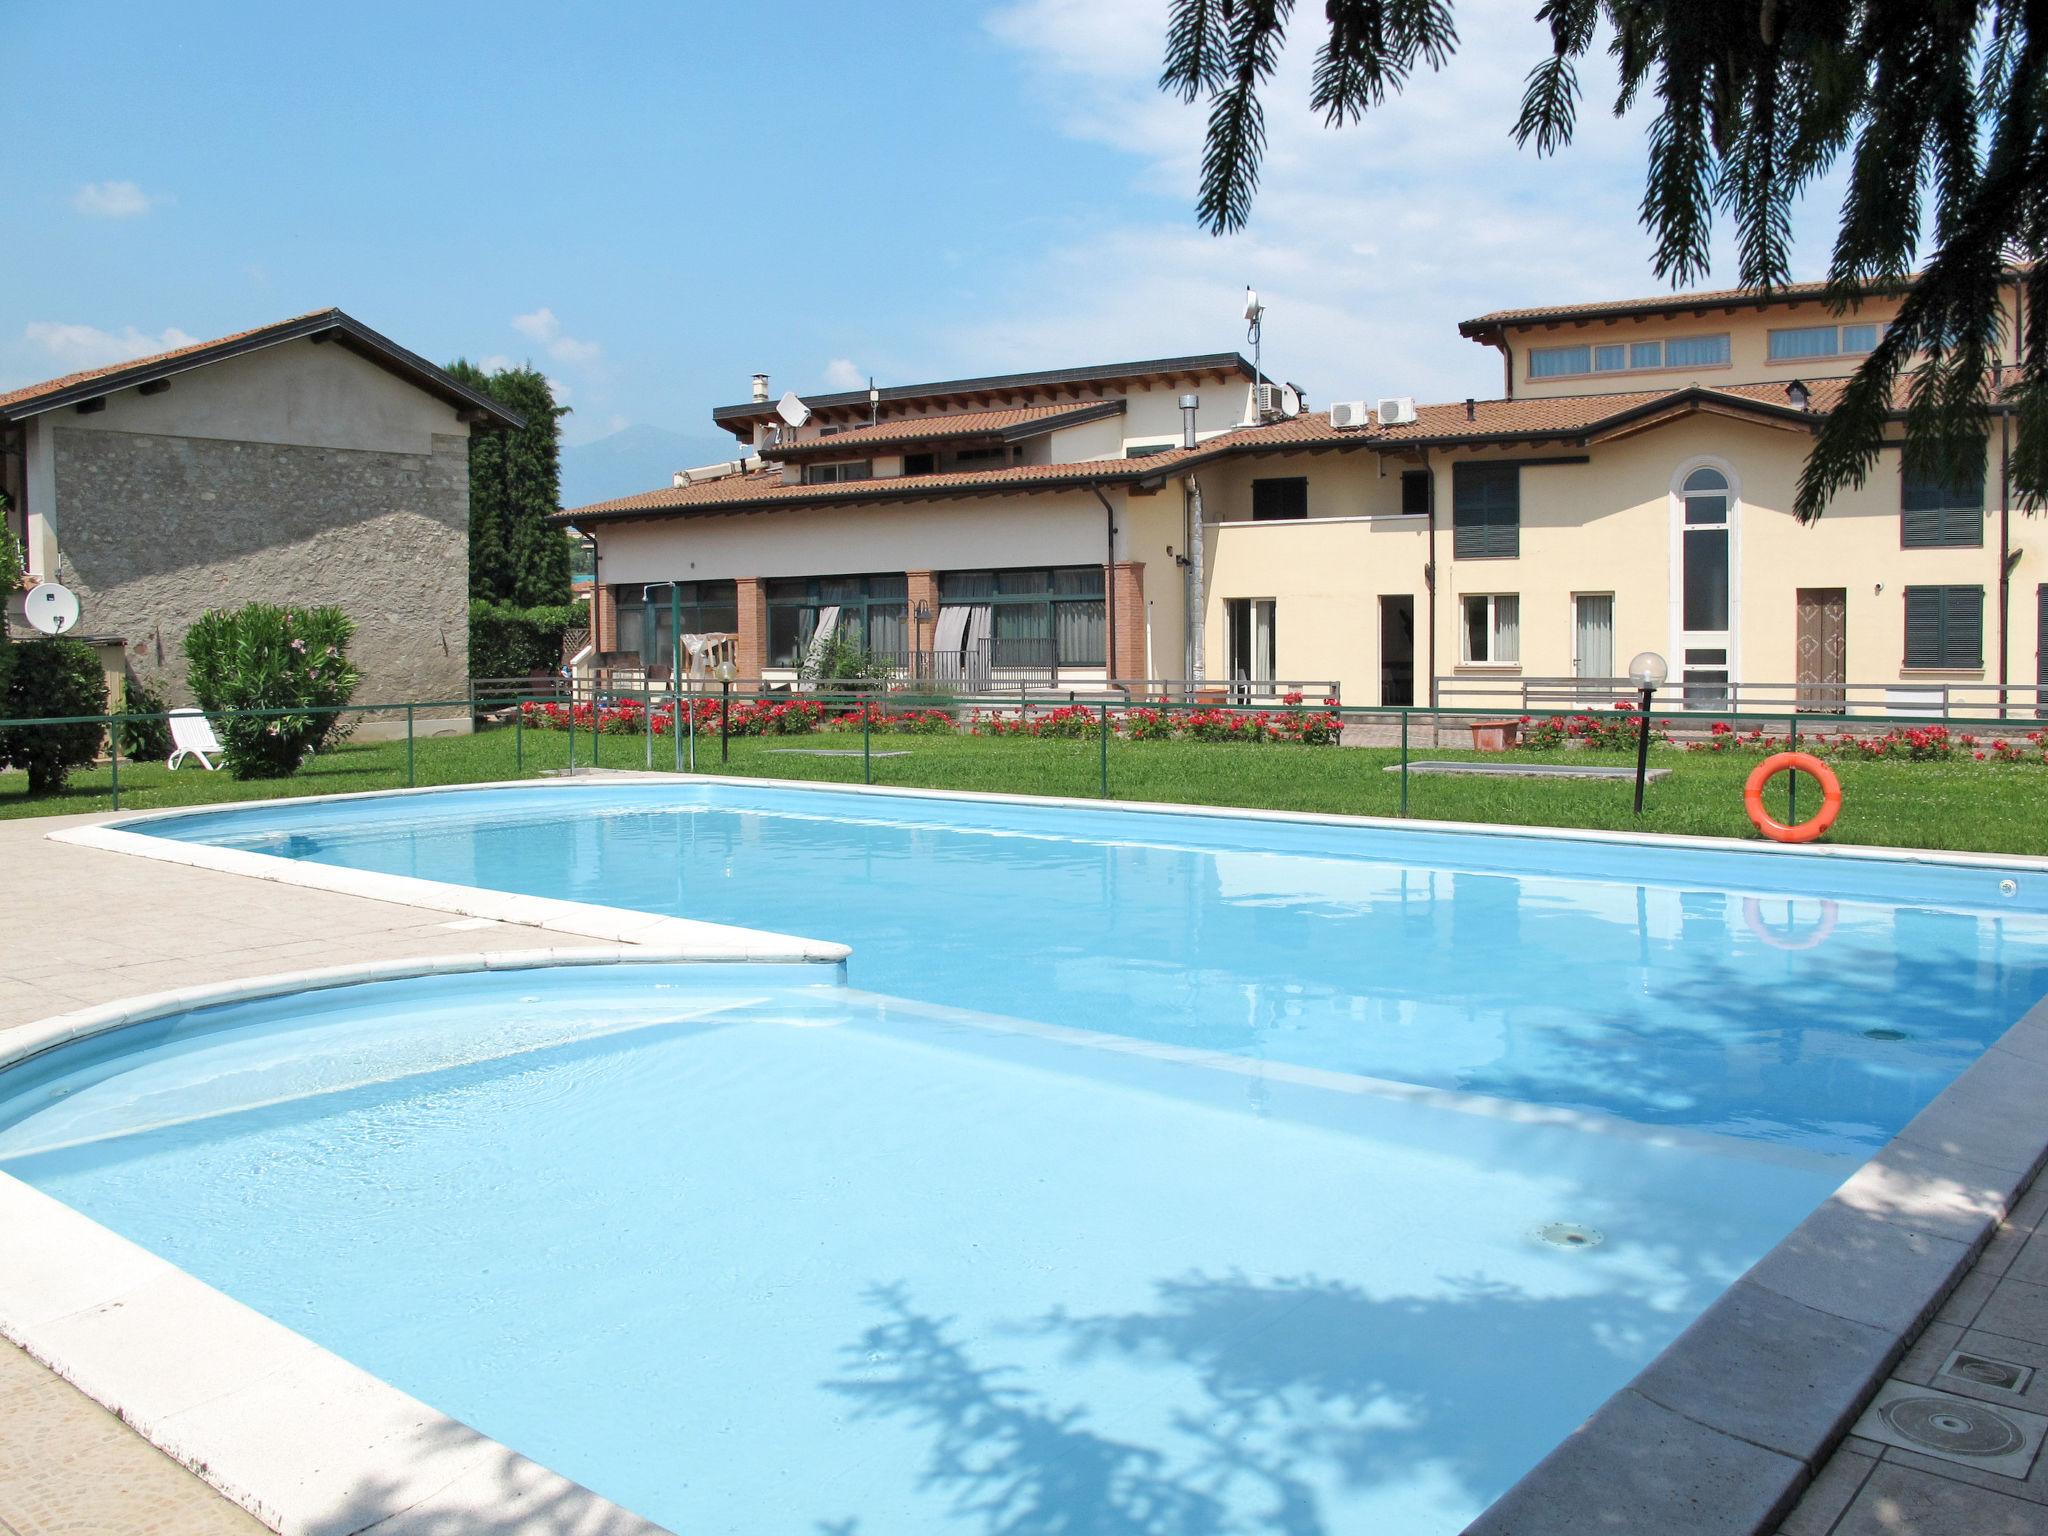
(1188, 406)
(1471, 409)
(760, 389)
(681, 479)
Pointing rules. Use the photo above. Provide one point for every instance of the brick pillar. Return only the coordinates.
(604, 621)
(924, 588)
(752, 658)
(1127, 595)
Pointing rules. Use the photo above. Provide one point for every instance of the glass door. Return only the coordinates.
(1705, 598)
(1593, 635)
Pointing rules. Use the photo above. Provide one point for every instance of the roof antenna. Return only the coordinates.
(874, 402)
(1254, 332)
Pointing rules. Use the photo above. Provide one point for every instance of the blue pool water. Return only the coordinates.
(1090, 1198)
(1721, 991)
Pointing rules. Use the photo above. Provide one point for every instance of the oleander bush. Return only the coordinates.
(149, 736)
(262, 657)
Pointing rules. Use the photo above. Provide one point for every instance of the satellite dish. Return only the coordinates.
(1290, 400)
(792, 410)
(50, 608)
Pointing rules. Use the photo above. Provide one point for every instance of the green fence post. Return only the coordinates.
(1792, 776)
(114, 756)
(408, 747)
(1102, 739)
(519, 740)
(867, 742)
(1404, 761)
(647, 710)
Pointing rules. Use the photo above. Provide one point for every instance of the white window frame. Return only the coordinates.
(1492, 601)
(1837, 348)
(1675, 563)
(1628, 346)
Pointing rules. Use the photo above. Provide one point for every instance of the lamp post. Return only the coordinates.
(1647, 671)
(725, 712)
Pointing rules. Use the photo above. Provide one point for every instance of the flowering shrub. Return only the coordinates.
(261, 657)
(1611, 732)
(2033, 750)
(1067, 722)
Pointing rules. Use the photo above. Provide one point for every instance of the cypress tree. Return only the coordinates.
(515, 481)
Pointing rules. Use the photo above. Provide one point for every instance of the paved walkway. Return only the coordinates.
(1998, 1316)
(79, 926)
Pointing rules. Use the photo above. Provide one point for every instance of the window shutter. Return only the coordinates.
(1944, 626)
(1486, 512)
(1277, 499)
(1964, 619)
(1923, 626)
(1938, 513)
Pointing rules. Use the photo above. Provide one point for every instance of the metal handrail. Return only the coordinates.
(1890, 699)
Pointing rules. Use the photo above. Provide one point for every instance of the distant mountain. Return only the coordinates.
(634, 459)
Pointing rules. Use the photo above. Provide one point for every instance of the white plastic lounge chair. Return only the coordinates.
(192, 736)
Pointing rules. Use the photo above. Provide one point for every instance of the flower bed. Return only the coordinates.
(1066, 722)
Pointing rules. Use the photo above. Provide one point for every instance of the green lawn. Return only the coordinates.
(1961, 805)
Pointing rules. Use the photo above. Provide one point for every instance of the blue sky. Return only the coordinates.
(652, 201)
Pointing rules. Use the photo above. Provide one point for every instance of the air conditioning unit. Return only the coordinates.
(1349, 414)
(1397, 410)
(1271, 407)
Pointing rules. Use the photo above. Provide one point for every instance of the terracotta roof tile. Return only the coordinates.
(1567, 417)
(1713, 298)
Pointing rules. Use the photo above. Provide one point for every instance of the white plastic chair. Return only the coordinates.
(192, 736)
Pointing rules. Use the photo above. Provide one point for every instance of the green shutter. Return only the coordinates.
(1486, 511)
(1945, 627)
(1936, 512)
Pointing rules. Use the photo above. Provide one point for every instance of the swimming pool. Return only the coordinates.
(1142, 1172)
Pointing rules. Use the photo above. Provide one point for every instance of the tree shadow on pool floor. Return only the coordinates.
(1294, 1387)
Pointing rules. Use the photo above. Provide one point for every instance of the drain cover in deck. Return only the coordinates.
(1984, 1371)
(1951, 1428)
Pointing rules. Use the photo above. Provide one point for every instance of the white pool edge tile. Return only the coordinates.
(125, 1327)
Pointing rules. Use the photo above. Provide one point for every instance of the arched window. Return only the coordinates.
(1705, 495)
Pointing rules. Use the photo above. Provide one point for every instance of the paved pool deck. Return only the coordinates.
(81, 926)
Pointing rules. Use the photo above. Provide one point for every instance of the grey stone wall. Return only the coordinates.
(157, 530)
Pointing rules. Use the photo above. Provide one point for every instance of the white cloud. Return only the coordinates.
(77, 347)
(114, 200)
(840, 373)
(1368, 243)
(542, 327)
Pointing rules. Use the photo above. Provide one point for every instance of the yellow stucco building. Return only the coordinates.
(1185, 518)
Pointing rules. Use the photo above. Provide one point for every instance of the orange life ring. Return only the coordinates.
(1808, 830)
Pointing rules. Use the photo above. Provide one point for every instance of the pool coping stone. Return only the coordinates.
(1825, 1315)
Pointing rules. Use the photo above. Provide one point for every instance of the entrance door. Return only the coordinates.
(1593, 635)
(1823, 649)
(1397, 650)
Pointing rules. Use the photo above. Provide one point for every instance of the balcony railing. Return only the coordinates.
(1554, 695)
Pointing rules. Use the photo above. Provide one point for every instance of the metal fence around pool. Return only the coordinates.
(1077, 743)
